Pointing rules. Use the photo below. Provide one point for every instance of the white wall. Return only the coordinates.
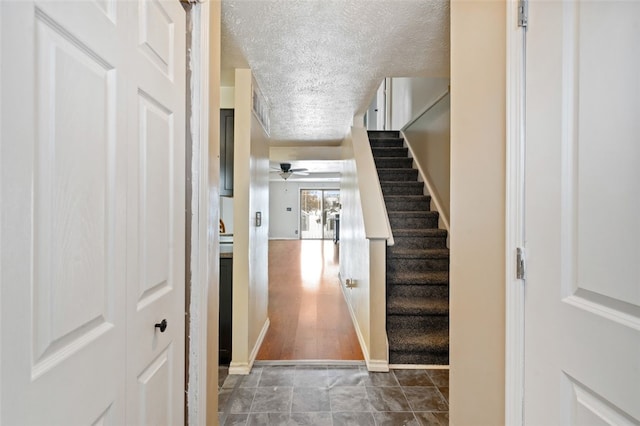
(429, 140)
(362, 250)
(478, 114)
(409, 96)
(214, 182)
(354, 250)
(226, 213)
(227, 97)
(250, 243)
(283, 194)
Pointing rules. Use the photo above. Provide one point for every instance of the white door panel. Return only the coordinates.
(63, 221)
(155, 369)
(92, 215)
(582, 324)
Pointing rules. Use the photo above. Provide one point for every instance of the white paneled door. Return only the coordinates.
(582, 321)
(92, 216)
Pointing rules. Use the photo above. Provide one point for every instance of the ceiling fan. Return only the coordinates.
(285, 171)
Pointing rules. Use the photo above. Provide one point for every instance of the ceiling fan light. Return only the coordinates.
(285, 175)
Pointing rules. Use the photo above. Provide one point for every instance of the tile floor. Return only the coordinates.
(333, 395)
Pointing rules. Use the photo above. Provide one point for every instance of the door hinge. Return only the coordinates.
(521, 264)
(523, 13)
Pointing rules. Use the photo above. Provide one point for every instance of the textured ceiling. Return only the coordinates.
(319, 62)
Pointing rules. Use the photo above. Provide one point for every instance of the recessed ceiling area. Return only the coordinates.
(318, 63)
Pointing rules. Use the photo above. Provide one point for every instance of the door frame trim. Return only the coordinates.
(514, 214)
(204, 246)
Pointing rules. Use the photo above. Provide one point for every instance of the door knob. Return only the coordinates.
(162, 325)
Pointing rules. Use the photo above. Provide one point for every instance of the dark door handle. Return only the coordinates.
(162, 325)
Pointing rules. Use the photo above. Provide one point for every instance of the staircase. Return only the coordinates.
(418, 263)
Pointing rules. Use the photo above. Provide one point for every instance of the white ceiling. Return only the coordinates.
(319, 62)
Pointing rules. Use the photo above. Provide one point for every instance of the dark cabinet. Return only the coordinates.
(226, 292)
(226, 152)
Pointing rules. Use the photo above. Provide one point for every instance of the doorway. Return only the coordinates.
(319, 209)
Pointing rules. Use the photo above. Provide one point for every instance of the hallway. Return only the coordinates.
(309, 316)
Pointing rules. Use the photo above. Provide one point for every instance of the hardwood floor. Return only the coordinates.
(309, 316)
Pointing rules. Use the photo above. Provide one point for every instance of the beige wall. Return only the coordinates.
(429, 140)
(478, 64)
(362, 259)
(250, 243)
(410, 95)
(354, 248)
(214, 181)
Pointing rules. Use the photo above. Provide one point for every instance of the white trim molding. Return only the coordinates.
(372, 364)
(199, 239)
(514, 205)
(244, 368)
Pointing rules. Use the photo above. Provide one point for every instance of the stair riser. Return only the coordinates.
(394, 162)
(426, 291)
(414, 222)
(417, 322)
(420, 242)
(417, 189)
(390, 152)
(424, 358)
(416, 265)
(404, 175)
(408, 205)
(381, 134)
(386, 143)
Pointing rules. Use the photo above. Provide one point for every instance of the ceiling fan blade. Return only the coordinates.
(299, 170)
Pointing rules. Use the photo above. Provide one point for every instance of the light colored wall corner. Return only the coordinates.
(477, 272)
(241, 195)
(250, 242)
(244, 368)
(379, 347)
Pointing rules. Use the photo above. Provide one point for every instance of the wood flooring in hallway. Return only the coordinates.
(309, 316)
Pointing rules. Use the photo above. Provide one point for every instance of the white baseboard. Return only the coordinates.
(239, 368)
(372, 365)
(244, 368)
(380, 366)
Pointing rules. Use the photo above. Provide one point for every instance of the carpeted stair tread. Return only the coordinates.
(431, 341)
(426, 232)
(406, 197)
(393, 162)
(417, 306)
(410, 253)
(383, 134)
(424, 213)
(416, 219)
(397, 174)
(419, 278)
(390, 151)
